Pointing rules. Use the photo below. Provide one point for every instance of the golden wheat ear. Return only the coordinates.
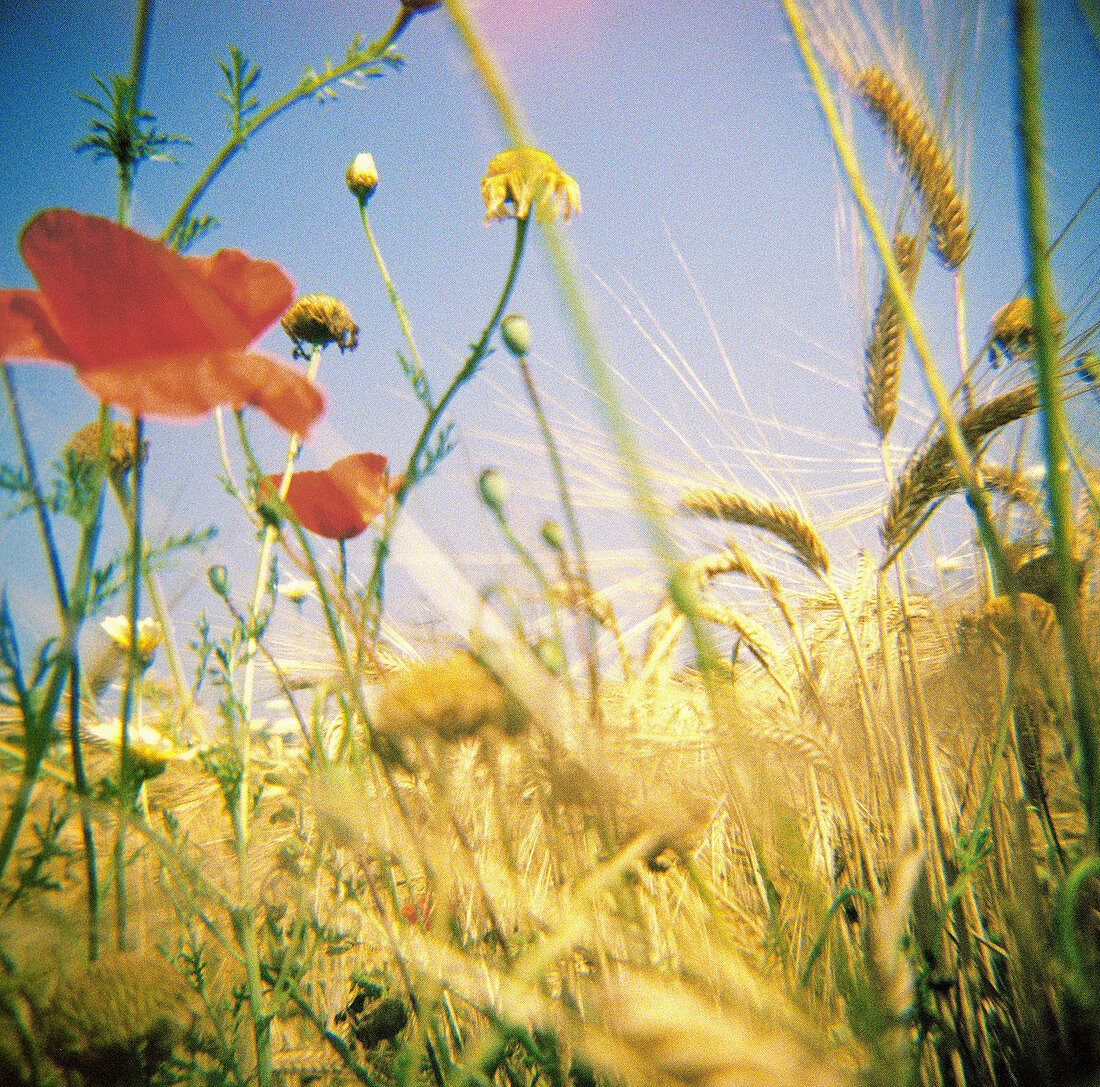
(924, 160)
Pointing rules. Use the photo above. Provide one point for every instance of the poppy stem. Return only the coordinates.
(127, 792)
(414, 472)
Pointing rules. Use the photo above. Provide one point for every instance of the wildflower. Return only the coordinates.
(340, 501)
(150, 748)
(518, 179)
(296, 590)
(150, 635)
(82, 450)
(149, 330)
(317, 320)
(362, 177)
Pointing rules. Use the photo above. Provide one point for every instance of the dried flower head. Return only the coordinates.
(525, 177)
(362, 177)
(148, 330)
(453, 697)
(315, 321)
(1013, 327)
(82, 449)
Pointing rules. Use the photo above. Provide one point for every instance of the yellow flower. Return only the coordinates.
(150, 749)
(150, 635)
(518, 179)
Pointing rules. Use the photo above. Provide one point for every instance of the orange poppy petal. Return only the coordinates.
(119, 298)
(26, 328)
(188, 387)
(340, 501)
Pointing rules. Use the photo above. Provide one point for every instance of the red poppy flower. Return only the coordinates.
(339, 502)
(150, 330)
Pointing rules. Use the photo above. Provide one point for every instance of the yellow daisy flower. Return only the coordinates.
(150, 635)
(517, 180)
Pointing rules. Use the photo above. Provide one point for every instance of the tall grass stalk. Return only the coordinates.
(1054, 428)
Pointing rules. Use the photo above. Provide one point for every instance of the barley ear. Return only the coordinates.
(721, 504)
(924, 160)
(886, 345)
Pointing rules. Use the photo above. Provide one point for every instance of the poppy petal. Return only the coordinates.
(119, 298)
(188, 387)
(340, 501)
(26, 328)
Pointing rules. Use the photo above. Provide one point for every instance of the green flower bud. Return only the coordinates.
(516, 334)
(552, 537)
(218, 576)
(493, 488)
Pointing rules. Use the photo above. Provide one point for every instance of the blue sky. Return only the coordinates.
(692, 133)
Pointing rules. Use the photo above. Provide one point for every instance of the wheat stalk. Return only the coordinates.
(721, 504)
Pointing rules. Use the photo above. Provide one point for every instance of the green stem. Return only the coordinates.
(306, 89)
(411, 476)
(1053, 415)
(42, 514)
(589, 623)
(395, 301)
(127, 790)
(126, 165)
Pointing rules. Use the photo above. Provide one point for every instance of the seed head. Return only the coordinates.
(316, 320)
(362, 177)
(523, 177)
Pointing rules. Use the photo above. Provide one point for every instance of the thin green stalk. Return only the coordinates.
(306, 89)
(411, 476)
(42, 514)
(395, 301)
(244, 914)
(127, 792)
(126, 166)
(1053, 416)
(589, 623)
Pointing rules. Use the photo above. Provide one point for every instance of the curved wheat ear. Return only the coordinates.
(724, 505)
(887, 344)
(933, 476)
(924, 160)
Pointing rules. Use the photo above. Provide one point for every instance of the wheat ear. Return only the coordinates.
(887, 343)
(721, 504)
(924, 160)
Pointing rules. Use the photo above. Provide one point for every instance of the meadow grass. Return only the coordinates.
(578, 845)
